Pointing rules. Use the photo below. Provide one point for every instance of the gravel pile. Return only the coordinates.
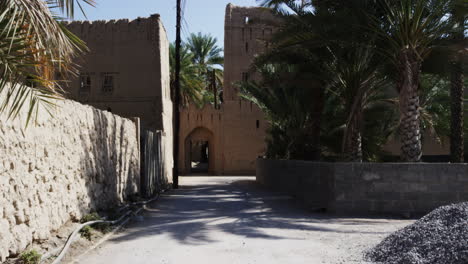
(439, 237)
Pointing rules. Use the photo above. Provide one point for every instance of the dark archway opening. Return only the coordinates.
(199, 152)
(199, 156)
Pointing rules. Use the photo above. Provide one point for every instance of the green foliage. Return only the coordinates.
(200, 55)
(33, 45)
(102, 227)
(191, 83)
(206, 53)
(87, 232)
(330, 46)
(90, 217)
(286, 107)
(30, 257)
(412, 25)
(435, 106)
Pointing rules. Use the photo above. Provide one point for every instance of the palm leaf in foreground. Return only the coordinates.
(34, 44)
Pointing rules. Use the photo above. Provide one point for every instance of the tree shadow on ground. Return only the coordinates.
(240, 208)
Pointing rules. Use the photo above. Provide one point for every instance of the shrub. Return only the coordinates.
(30, 257)
(90, 217)
(87, 232)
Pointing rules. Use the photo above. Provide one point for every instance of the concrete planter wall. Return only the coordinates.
(367, 187)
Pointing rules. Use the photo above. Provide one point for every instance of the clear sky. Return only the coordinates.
(205, 16)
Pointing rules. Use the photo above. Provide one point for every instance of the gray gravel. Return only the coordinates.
(439, 237)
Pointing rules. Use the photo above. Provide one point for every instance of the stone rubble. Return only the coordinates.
(439, 237)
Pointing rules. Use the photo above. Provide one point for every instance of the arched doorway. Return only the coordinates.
(199, 151)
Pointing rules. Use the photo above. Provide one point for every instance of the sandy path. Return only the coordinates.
(231, 220)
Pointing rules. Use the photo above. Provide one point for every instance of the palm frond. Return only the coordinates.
(34, 44)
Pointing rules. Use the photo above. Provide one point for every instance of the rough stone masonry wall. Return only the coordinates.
(80, 160)
(395, 188)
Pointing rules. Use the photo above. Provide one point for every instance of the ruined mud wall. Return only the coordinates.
(80, 160)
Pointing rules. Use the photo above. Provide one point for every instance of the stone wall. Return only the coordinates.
(80, 160)
(166, 110)
(394, 188)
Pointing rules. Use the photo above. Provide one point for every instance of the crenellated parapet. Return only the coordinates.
(240, 16)
(120, 29)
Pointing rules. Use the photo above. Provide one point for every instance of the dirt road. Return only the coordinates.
(232, 220)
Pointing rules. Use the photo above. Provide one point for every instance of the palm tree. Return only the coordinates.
(358, 82)
(409, 29)
(207, 55)
(33, 45)
(300, 42)
(285, 105)
(340, 54)
(191, 83)
(205, 50)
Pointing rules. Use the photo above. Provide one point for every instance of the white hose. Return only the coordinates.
(71, 238)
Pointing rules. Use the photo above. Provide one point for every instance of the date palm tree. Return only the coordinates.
(340, 53)
(409, 29)
(300, 42)
(191, 83)
(286, 107)
(206, 54)
(358, 84)
(34, 44)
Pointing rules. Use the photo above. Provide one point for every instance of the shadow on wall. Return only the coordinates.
(109, 164)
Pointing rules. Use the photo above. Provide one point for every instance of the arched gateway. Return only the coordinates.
(230, 136)
(199, 151)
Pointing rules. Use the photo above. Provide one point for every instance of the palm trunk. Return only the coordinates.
(456, 95)
(316, 118)
(353, 139)
(407, 85)
(456, 124)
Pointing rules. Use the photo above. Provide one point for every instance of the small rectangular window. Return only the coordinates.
(85, 84)
(251, 33)
(108, 83)
(246, 47)
(258, 124)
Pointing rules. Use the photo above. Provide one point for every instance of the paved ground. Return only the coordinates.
(231, 220)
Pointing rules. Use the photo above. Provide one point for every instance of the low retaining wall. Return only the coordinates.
(81, 159)
(367, 187)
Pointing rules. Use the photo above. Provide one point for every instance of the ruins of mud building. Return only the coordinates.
(126, 72)
(234, 133)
